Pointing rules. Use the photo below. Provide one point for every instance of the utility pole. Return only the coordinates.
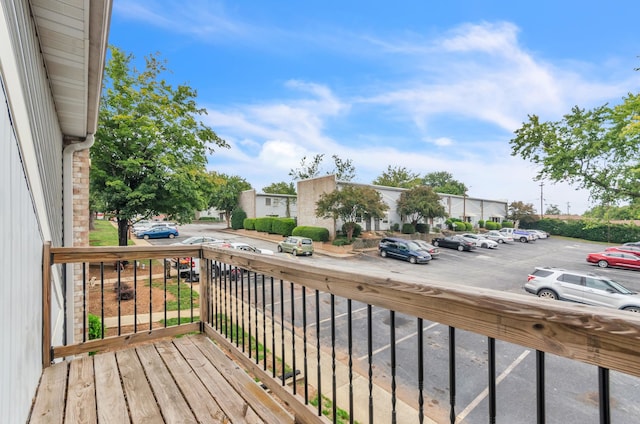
(568, 208)
(541, 199)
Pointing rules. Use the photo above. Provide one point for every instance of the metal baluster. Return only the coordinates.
(492, 380)
(304, 344)
(284, 362)
(118, 297)
(318, 352)
(604, 397)
(334, 386)
(164, 282)
(273, 332)
(248, 314)
(392, 341)
(84, 301)
(452, 374)
(420, 371)
(236, 325)
(264, 325)
(150, 296)
(226, 295)
(135, 295)
(350, 350)
(540, 392)
(102, 298)
(165, 293)
(293, 337)
(370, 361)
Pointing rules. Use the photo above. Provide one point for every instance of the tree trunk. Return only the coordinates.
(123, 232)
(227, 217)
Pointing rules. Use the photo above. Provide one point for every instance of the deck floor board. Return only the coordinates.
(182, 380)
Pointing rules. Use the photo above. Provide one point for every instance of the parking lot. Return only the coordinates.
(571, 387)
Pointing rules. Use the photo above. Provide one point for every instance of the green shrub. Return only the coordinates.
(265, 224)
(422, 228)
(357, 229)
(283, 226)
(481, 223)
(249, 223)
(395, 227)
(408, 228)
(490, 225)
(342, 241)
(507, 224)
(95, 327)
(459, 226)
(468, 226)
(314, 233)
(237, 218)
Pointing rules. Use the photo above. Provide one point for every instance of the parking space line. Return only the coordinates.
(466, 411)
(387, 346)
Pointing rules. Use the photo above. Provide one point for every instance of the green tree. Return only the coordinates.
(552, 210)
(349, 203)
(523, 212)
(443, 182)
(398, 176)
(224, 192)
(150, 146)
(280, 188)
(419, 203)
(343, 169)
(598, 149)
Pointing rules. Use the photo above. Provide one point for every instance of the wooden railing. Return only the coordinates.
(242, 297)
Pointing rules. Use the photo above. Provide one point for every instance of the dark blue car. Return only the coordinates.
(158, 232)
(403, 249)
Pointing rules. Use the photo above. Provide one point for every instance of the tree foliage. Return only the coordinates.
(420, 203)
(280, 188)
(398, 176)
(343, 169)
(443, 182)
(350, 203)
(598, 149)
(150, 147)
(552, 210)
(224, 192)
(523, 212)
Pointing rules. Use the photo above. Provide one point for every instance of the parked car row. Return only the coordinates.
(625, 256)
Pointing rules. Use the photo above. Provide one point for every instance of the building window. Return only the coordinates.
(267, 201)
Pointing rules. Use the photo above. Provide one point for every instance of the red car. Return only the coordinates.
(634, 250)
(614, 259)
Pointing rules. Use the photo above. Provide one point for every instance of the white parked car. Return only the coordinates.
(539, 234)
(480, 241)
(497, 236)
(248, 248)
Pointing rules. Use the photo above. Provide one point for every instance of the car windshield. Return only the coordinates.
(192, 240)
(413, 246)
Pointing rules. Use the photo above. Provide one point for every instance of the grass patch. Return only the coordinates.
(104, 234)
(187, 296)
(183, 320)
(342, 416)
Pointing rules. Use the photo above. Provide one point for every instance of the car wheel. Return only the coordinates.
(460, 248)
(146, 237)
(500, 241)
(383, 253)
(632, 309)
(548, 294)
(603, 264)
(412, 259)
(484, 245)
(171, 236)
(436, 244)
(523, 239)
(280, 249)
(294, 252)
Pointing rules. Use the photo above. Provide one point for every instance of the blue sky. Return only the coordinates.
(429, 86)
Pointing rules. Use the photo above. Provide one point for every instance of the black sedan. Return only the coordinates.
(453, 242)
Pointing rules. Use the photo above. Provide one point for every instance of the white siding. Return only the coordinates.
(20, 295)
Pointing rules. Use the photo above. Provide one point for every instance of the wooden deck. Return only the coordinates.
(185, 380)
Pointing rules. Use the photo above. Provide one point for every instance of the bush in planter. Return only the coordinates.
(422, 228)
(342, 241)
(481, 223)
(314, 233)
(283, 226)
(408, 228)
(95, 327)
(395, 227)
(237, 218)
(264, 224)
(459, 226)
(249, 223)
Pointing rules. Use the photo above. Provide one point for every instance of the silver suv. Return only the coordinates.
(580, 287)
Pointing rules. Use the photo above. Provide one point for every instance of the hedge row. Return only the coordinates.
(271, 225)
(314, 233)
(589, 230)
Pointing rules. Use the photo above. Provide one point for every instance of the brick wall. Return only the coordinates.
(81, 165)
